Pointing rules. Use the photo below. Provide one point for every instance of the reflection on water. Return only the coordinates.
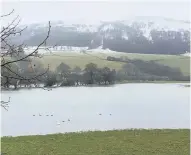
(99, 108)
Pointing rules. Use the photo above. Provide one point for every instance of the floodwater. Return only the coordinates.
(73, 109)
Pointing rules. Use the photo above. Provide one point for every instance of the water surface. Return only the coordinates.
(98, 108)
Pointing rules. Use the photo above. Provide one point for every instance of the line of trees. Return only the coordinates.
(147, 70)
(134, 70)
(65, 76)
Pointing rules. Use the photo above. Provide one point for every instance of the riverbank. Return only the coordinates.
(118, 142)
(139, 81)
(94, 85)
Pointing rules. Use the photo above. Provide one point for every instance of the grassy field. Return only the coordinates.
(124, 142)
(79, 59)
(74, 59)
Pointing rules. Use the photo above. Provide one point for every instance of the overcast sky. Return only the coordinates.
(43, 11)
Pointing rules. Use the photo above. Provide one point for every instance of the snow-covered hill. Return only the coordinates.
(150, 23)
(135, 34)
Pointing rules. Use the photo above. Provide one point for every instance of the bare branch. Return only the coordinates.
(32, 53)
(5, 104)
(8, 13)
(9, 74)
(9, 25)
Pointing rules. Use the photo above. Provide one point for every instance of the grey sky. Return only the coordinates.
(91, 12)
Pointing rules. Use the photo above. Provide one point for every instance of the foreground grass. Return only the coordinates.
(124, 142)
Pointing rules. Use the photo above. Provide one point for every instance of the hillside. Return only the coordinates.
(74, 59)
(146, 35)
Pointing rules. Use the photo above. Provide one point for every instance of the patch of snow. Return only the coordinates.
(160, 22)
(101, 50)
(187, 54)
(124, 36)
(43, 50)
(107, 27)
(32, 33)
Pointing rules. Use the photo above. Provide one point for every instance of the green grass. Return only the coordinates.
(124, 142)
(79, 59)
(182, 63)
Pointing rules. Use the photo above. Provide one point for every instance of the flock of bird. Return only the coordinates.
(101, 114)
(52, 115)
(58, 123)
(41, 115)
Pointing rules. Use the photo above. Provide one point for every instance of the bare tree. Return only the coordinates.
(9, 65)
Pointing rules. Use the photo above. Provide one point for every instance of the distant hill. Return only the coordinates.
(150, 35)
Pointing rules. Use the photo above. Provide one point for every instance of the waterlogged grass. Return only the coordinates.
(124, 142)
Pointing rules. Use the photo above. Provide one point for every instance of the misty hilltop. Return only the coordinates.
(151, 35)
